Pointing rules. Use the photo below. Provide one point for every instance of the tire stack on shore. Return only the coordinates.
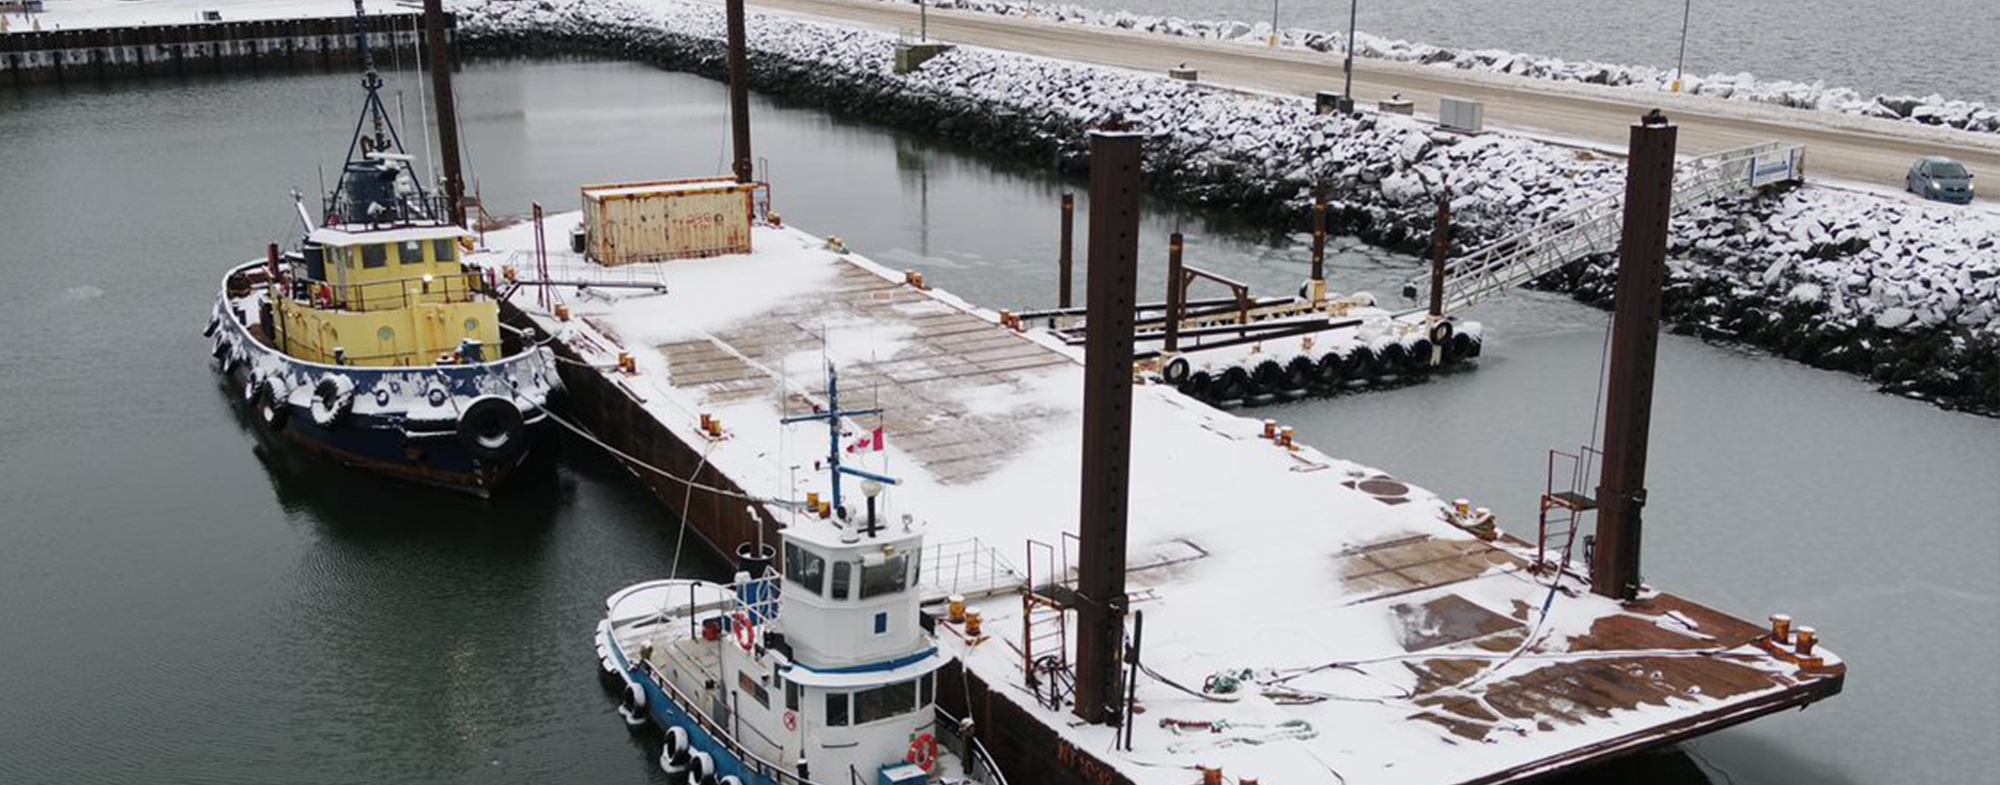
(1263, 156)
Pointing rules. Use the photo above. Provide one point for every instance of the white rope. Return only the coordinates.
(674, 570)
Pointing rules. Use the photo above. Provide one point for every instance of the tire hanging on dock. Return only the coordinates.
(1328, 373)
(1456, 348)
(1358, 364)
(1268, 379)
(1175, 372)
(1418, 362)
(1234, 385)
(1300, 373)
(490, 427)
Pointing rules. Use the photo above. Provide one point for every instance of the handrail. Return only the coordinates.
(1588, 228)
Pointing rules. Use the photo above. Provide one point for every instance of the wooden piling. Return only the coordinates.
(1176, 294)
(1441, 245)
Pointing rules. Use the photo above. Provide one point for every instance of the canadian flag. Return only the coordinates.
(872, 442)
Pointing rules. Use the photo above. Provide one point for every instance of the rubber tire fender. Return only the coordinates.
(1359, 364)
(1268, 378)
(1234, 384)
(1419, 361)
(330, 405)
(1301, 373)
(1200, 385)
(1176, 371)
(273, 410)
(1458, 347)
(490, 427)
(1391, 359)
(1328, 372)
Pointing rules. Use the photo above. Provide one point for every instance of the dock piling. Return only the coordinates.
(1107, 422)
(1065, 263)
(739, 93)
(1176, 294)
(1441, 242)
(441, 60)
(1635, 338)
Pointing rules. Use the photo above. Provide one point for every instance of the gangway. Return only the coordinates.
(1594, 227)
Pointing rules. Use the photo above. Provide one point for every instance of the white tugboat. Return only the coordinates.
(822, 671)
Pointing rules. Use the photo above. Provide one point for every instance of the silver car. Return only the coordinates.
(1940, 179)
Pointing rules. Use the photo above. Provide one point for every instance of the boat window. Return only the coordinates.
(805, 568)
(374, 255)
(842, 574)
(791, 695)
(889, 577)
(836, 709)
(755, 690)
(881, 703)
(881, 623)
(926, 689)
(410, 252)
(442, 251)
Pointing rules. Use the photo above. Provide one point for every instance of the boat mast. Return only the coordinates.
(832, 417)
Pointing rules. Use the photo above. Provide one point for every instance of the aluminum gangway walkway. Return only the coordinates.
(1594, 227)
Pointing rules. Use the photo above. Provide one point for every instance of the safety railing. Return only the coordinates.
(403, 292)
(1595, 227)
(967, 567)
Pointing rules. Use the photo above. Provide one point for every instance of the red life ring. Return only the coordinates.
(791, 721)
(924, 752)
(746, 635)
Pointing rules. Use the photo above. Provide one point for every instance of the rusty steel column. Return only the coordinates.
(1319, 239)
(1065, 261)
(739, 93)
(447, 109)
(1635, 339)
(1107, 422)
(1176, 293)
(1442, 241)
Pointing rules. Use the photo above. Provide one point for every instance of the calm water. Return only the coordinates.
(178, 604)
(1891, 46)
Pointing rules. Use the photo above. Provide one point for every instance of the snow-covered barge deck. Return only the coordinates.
(1307, 619)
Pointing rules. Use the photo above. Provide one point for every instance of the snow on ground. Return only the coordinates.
(1269, 531)
(1238, 151)
(1932, 110)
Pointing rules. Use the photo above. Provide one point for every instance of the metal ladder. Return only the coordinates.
(1045, 608)
(1595, 227)
(1558, 532)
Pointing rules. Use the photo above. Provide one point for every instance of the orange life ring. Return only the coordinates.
(924, 751)
(746, 635)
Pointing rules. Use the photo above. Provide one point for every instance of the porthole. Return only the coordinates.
(386, 335)
(472, 327)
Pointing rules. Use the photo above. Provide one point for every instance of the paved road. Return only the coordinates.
(1857, 150)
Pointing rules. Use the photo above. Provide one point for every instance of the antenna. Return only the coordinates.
(832, 417)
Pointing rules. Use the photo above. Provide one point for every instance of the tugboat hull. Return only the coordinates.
(465, 427)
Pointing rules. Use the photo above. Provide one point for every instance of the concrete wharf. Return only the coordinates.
(1367, 635)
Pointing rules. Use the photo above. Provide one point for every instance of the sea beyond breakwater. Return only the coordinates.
(1901, 293)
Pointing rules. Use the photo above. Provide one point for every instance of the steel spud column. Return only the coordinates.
(1107, 420)
(1635, 340)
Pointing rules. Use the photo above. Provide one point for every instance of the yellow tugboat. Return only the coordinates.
(375, 343)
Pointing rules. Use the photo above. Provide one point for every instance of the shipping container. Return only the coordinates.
(629, 223)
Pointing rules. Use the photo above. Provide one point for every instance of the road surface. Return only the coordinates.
(1866, 151)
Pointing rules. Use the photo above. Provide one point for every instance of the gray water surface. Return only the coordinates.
(179, 603)
(1874, 46)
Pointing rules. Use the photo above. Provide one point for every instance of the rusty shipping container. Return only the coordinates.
(629, 223)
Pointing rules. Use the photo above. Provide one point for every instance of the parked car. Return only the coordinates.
(1940, 179)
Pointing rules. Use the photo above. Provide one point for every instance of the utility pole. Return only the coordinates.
(1635, 339)
(1347, 92)
(1107, 422)
(739, 93)
(447, 108)
(1680, 64)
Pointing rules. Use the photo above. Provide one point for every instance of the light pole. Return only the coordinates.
(1687, 9)
(1347, 92)
(923, 20)
(1274, 23)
